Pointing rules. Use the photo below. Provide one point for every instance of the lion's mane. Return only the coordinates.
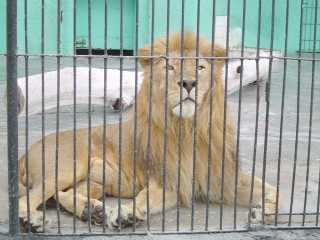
(152, 161)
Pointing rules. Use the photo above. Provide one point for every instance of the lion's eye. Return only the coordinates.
(170, 67)
(201, 67)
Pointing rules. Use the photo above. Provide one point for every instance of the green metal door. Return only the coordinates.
(310, 38)
(113, 28)
(34, 26)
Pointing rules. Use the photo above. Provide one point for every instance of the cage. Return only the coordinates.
(97, 146)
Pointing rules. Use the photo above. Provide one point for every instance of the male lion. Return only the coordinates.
(149, 160)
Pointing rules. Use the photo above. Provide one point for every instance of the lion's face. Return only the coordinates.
(185, 80)
(189, 80)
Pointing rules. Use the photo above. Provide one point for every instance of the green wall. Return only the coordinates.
(266, 23)
(98, 28)
(206, 10)
(34, 19)
(34, 26)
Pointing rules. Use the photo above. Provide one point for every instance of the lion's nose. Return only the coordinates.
(188, 84)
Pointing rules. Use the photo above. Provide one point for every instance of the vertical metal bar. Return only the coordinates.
(282, 109)
(120, 115)
(298, 95)
(267, 93)
(180, 116)
(26, 61)
(89, 115)
(12, 117)
(311, 109)
(318, 201)
(297, 125)
(105, 67)
(164, 166)
(304, 24)
(257, 111)
(244, 8)
(195, 130)
(307, 27)
(150, 116)
(74, 115)
(43, 119)
(58, 114)
(224, 118)
(213, 31)
(135, 130)
(257, 120)
(309, 22)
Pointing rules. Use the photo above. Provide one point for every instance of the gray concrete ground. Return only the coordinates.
(246, 149)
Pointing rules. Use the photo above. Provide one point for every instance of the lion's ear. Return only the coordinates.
(159, 47)
(219, 51)
(143, 53)
(206, 49)
(145, 58)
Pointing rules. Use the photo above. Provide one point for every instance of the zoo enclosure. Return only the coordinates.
(12, 55)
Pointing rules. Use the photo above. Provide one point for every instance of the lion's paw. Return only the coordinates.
(256, 216)
(96, 212)
(35, 224)
(125, 219)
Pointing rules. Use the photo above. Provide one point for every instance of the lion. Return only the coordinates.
(198, 93)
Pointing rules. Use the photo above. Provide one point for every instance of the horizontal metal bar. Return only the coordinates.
(115, 234)
(310, 23)
(124, 234)
(292, 227)
(311, 40)
(310, 7)
(165, 57)
(296, 213)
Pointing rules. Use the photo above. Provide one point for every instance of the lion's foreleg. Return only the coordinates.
(244, 193)
(155, 206)
(82, 209)
(111, 177)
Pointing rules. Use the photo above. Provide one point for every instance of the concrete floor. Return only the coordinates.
(246, 146)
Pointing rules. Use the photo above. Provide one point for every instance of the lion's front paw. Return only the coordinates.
(125, 219)
(96, 212)
(256, 216)
(35, 224)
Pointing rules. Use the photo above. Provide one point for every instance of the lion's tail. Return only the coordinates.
(23, 177)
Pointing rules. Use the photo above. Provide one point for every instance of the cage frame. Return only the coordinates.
(12, 104)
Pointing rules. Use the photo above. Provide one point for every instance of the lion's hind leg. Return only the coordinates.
(244, 193)
(35, 219)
